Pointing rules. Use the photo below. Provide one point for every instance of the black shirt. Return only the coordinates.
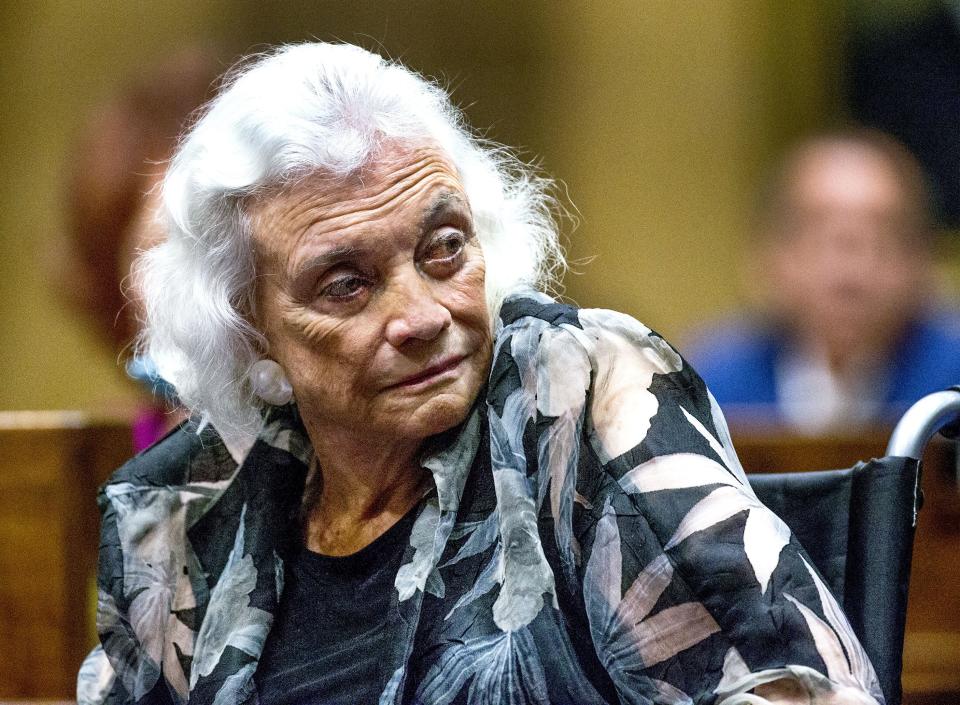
(334, 622)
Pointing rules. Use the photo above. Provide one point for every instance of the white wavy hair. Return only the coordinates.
(292, 112)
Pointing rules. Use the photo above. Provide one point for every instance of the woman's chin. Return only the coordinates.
(435, 415)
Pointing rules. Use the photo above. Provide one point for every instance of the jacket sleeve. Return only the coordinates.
(694, 591)
(139, 571)
(97, 683)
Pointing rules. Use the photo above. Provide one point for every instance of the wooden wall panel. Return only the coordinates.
(50, 467)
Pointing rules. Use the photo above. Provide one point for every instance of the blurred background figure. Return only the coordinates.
(112, 198)
(850, 331)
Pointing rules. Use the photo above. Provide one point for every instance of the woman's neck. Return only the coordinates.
(359, 489)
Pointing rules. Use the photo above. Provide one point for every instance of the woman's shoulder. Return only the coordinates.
(188, 453)
(610, 341)
(530, 305)
(635, 394)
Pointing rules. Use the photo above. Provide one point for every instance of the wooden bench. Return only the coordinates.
(51, 464)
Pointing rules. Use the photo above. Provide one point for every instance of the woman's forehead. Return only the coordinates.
(387, 167)
(400, 184)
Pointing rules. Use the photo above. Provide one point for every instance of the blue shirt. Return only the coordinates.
(738, 359)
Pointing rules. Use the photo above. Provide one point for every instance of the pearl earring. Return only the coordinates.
(270, 383)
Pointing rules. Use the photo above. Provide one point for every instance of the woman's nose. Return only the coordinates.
(417, 314)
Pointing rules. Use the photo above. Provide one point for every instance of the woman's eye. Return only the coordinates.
(343, 287)
(446, 247)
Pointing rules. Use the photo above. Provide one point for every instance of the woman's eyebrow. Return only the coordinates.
(324, 259)
(441, 207)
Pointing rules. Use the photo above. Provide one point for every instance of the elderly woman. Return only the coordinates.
(413, 478)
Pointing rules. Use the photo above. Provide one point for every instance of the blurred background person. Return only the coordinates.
(112, 197)
(850, 331)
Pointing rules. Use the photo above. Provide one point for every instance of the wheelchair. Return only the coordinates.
(857, 525)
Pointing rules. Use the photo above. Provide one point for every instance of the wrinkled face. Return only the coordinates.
(846, 266)
(371, 295)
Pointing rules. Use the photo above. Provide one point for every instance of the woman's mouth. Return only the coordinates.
(441, 371)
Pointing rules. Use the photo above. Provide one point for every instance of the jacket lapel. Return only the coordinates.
(240, 544)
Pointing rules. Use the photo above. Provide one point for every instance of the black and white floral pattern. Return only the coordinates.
(591, 539)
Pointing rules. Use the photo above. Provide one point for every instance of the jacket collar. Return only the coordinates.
(260, 509)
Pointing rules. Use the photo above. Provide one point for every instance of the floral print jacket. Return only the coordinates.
(591, 539)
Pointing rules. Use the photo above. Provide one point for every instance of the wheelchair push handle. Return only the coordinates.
(922, 420)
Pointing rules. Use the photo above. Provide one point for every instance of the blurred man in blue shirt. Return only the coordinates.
(849, 333)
